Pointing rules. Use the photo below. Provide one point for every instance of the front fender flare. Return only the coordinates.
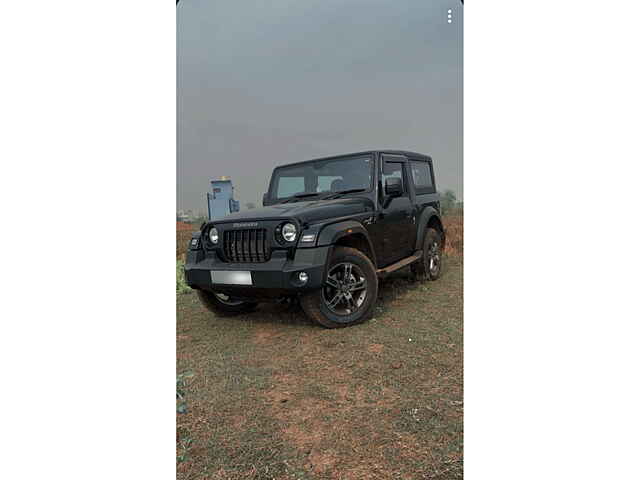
(330, 234)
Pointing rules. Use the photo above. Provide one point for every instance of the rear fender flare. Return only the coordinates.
(430, 214)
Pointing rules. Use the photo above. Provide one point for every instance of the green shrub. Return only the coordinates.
(181, 285)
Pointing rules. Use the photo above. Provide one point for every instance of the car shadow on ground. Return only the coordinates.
(286, 313)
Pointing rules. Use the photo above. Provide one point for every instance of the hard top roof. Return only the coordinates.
(366, 152)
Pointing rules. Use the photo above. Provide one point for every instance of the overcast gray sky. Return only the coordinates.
(266, 83)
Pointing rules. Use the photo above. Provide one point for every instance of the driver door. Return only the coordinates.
(396, 217)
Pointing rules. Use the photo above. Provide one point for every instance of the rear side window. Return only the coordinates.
(422, 177)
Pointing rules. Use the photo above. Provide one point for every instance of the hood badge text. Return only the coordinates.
(244, 225)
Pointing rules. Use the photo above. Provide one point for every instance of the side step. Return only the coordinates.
(401, 264)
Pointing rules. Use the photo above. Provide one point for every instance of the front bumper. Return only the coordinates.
(275, 278)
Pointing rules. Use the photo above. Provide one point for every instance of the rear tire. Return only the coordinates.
(429, 267)
(224, 305)
(349, 293)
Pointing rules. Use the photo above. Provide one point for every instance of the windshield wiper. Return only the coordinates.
(323, 195)
(298, 196)
(343, 192)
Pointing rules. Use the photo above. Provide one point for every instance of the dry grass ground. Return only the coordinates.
(270, 395)
(454, 226)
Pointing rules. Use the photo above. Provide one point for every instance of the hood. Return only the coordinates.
(306, 212)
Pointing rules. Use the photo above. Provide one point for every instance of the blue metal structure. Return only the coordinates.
(220, 201)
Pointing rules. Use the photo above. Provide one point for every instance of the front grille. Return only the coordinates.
(246, 246)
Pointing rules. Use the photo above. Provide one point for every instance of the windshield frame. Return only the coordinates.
(273, 198)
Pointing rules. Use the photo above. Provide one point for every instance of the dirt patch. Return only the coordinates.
(266, 334)
(321, 411)
(303, 439)
(320, 462)
(376, 348)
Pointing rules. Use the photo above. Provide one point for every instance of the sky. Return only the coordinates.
(261, 84)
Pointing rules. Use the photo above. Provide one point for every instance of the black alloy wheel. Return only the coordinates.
(434, 259)
(345, 290)
(429, 267)
(349, 293)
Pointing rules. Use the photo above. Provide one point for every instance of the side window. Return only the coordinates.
(392, 170)
(422, 179)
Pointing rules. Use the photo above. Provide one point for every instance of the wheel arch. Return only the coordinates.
(348, 234)
(430, 218)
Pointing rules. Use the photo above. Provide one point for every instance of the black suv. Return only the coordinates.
(329, 229)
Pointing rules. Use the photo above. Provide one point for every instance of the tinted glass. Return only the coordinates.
(288, 186)
(323, 176)
(421, 175)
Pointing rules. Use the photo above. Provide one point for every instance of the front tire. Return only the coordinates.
(223, 305)
(349, 293)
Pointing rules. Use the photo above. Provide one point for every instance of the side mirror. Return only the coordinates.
(264, 199)
(393, 187)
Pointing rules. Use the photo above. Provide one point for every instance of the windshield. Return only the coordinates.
(338, 175)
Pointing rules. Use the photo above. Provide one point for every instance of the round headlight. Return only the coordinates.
(213, 235)
(289, 232)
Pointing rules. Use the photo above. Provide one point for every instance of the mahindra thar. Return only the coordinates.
(328, 230)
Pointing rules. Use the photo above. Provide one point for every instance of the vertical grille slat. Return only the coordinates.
(248, 245)
(267, 252)
(234, 245)
(249, 257)
(252, 241)
(244, 246)
(247, 254)
(258, 243)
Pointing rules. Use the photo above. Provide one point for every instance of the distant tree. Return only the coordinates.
(200, 218)
(250, 205)
(448, 201)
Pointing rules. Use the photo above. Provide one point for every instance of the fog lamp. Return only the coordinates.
(303, 277)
